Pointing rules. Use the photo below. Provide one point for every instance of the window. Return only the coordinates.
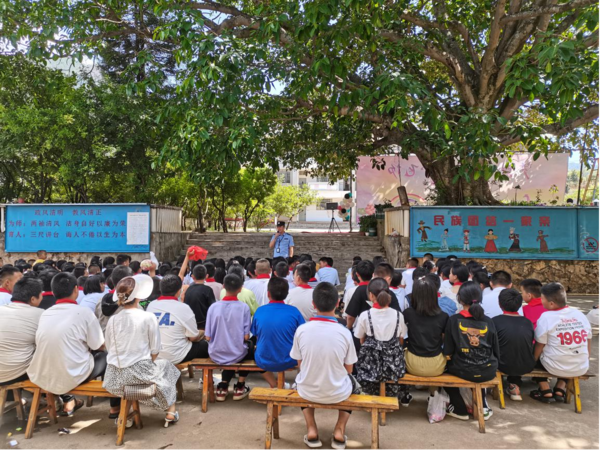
(323, 204)
(285, 176)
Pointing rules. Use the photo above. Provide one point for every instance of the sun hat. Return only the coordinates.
(142, 290)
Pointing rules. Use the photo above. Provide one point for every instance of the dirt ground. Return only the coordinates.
(527, 424)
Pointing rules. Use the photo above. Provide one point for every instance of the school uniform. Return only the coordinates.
(259, 287)
(401, 295)
(199, 298)
(313, 282)
(447, 305)
(407, 280)
(515, 340)
(247, 297)
(215, 286)
(349, 280)
(91, 300)
(533, 310)
(301, 297)
(5, 296)
(80, 295)
(48, 300)
(227, 322)
(491, 305)
(424, 355)
(360, 301)
(328, 274)
(347, 296)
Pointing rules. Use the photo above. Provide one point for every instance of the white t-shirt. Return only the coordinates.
(18, 325)
(5, 298)
(91, 300)
(177, 323)
(445, 284)
(62, 359)
(259, 288)
(348, 296)
(490, 303)
(302, 299)
(324, 348)
(80, 295)
(131, 336)
(216, 287)
(401, 296)
(407, 280)
(384, 323)
(349, 281)
(565, 333)
(592, 317)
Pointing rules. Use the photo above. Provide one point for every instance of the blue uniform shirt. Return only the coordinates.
(274, 325)
(282, 245)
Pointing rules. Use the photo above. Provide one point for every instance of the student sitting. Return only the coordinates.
(398, 290)
(326, 272)
(107, 307)
(481, 277)
(563, 343)
(133, 344)
(199, 297)
(471, 343)
(312, 282)
(349, 292)
(499, 281)
(258, 285)
(9, 276)
(446, 304)
(66, 334)
(18, 325)
(459, 274)
(282, 270)
(386, 272)
(325, 353)
(407, 279)
(227, 332)
(515, 339)
(48, 299)
(274, 326)
(381, 332)
(301, 297)
(426, 324)
(210, 280)
(531, 290)
(179, 334)
(246, 296)
(292, 263)
(93, 291)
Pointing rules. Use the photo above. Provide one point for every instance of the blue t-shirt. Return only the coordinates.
(328, 274)
(447, 305)
(282, 245)
(274, 325)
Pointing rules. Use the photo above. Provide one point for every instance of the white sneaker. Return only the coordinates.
(287, 386)
(487, 413)
(450, 412)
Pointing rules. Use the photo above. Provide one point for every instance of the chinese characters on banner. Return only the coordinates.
(71, 228)
(505, 232)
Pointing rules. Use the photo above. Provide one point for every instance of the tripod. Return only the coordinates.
(333, 224)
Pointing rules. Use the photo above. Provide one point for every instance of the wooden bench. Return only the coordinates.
(93, 389)
(208, 366)
(276, 397)
(447, 380)
(16, 404)
(573, 390)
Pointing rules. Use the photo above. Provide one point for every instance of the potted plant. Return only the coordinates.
(368, 224)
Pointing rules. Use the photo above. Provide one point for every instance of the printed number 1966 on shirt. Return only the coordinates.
(576, 337)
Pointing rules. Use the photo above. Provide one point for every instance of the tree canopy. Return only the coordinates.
(456, 82)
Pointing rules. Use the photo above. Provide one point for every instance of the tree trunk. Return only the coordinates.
(442, 172)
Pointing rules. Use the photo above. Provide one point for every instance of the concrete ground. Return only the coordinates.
(527, 424)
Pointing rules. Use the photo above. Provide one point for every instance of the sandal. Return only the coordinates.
(559, 394)
(336, 444)
(539, 395)
(168, 420)
(314, 443)
(69, 413)
(113, 416)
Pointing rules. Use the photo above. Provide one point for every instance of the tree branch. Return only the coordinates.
(488, 62)
(575, 4)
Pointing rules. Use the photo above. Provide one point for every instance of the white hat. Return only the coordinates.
(144, 285)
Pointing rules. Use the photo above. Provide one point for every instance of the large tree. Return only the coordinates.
(457, 82)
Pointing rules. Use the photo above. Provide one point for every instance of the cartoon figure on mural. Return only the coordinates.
(542, 239)
(421, 230)
(466, 245)
(516, 242)
(490, 245)
(444, 246)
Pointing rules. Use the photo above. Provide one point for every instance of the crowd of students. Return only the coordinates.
(64, 323)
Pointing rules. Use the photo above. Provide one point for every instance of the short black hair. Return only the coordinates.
(236, 269)
(7, 272)
(210, 269)
(63, 285)
(282, 270)
(356, 259)
(27, 288)
(365, 270)
(305, 257)
(81, 280)
(108, 261)
(461, 272)
(435, 280)
(510, 300)
(384, 270)
(219, 263)
(68, 267)
(122, 258)
(325, 297)
(428, 254)
(555, 292)
(501, 278)
(199, 272)
(46, 278)
(120, 272)
(303, 272)
(428, 265)
(164, 269)
(278, 288)
(78, 271)
(482, 278)
(413, 262)
(170, 285)
(93, 284)
(220, 274)
(396, 279)
(60, 263)
(419, 272)
(232, 283)
(292, 260)
(533, 287)
(445, 270)
(135, 266)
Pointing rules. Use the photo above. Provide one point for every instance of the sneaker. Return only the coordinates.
(287, 386)
(240, 391)
(128, 425)
(406, 399)
(514, 392)
(450, 412)
(221, 392)
(487, 413)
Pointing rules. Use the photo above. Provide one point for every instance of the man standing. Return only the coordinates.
(282, 242)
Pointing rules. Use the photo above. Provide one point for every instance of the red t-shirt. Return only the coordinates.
(534, 310)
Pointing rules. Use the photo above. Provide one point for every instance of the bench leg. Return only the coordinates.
(205, 389)
(180, 388)
(3, 394)
(122, 423)
(51, 401)
(569, 389)
(211, 383)
(90, 401)
(190, 371)
(33, 412)
(577, 393)
(499, 390)
(276, 421)
(478, 408)
(280, 385)
(269, 430)
(375, 429)
(382, 421)
(137, 415)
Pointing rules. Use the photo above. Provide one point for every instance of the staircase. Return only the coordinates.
(341, 247)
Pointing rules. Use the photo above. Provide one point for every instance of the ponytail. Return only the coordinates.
(124, 289)
(379, 288)
(470, 296)
(384, 298)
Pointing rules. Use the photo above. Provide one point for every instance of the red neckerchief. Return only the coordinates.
(80, 288)
(263, 276)
(66, 301)
(439, 295)
(230, 298)
(377, 306)
(305, 286)
(209, 280)
(511, 313)
(111, 291)
(324, 319)
(535, 302)
(557, 309)
(465, 313)
(19, 302)
(47, 293)
(394, 288)
(276, 302)
(164, 298)
(457, 284)
(362, 284)
(314, 279)
(4, 290)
